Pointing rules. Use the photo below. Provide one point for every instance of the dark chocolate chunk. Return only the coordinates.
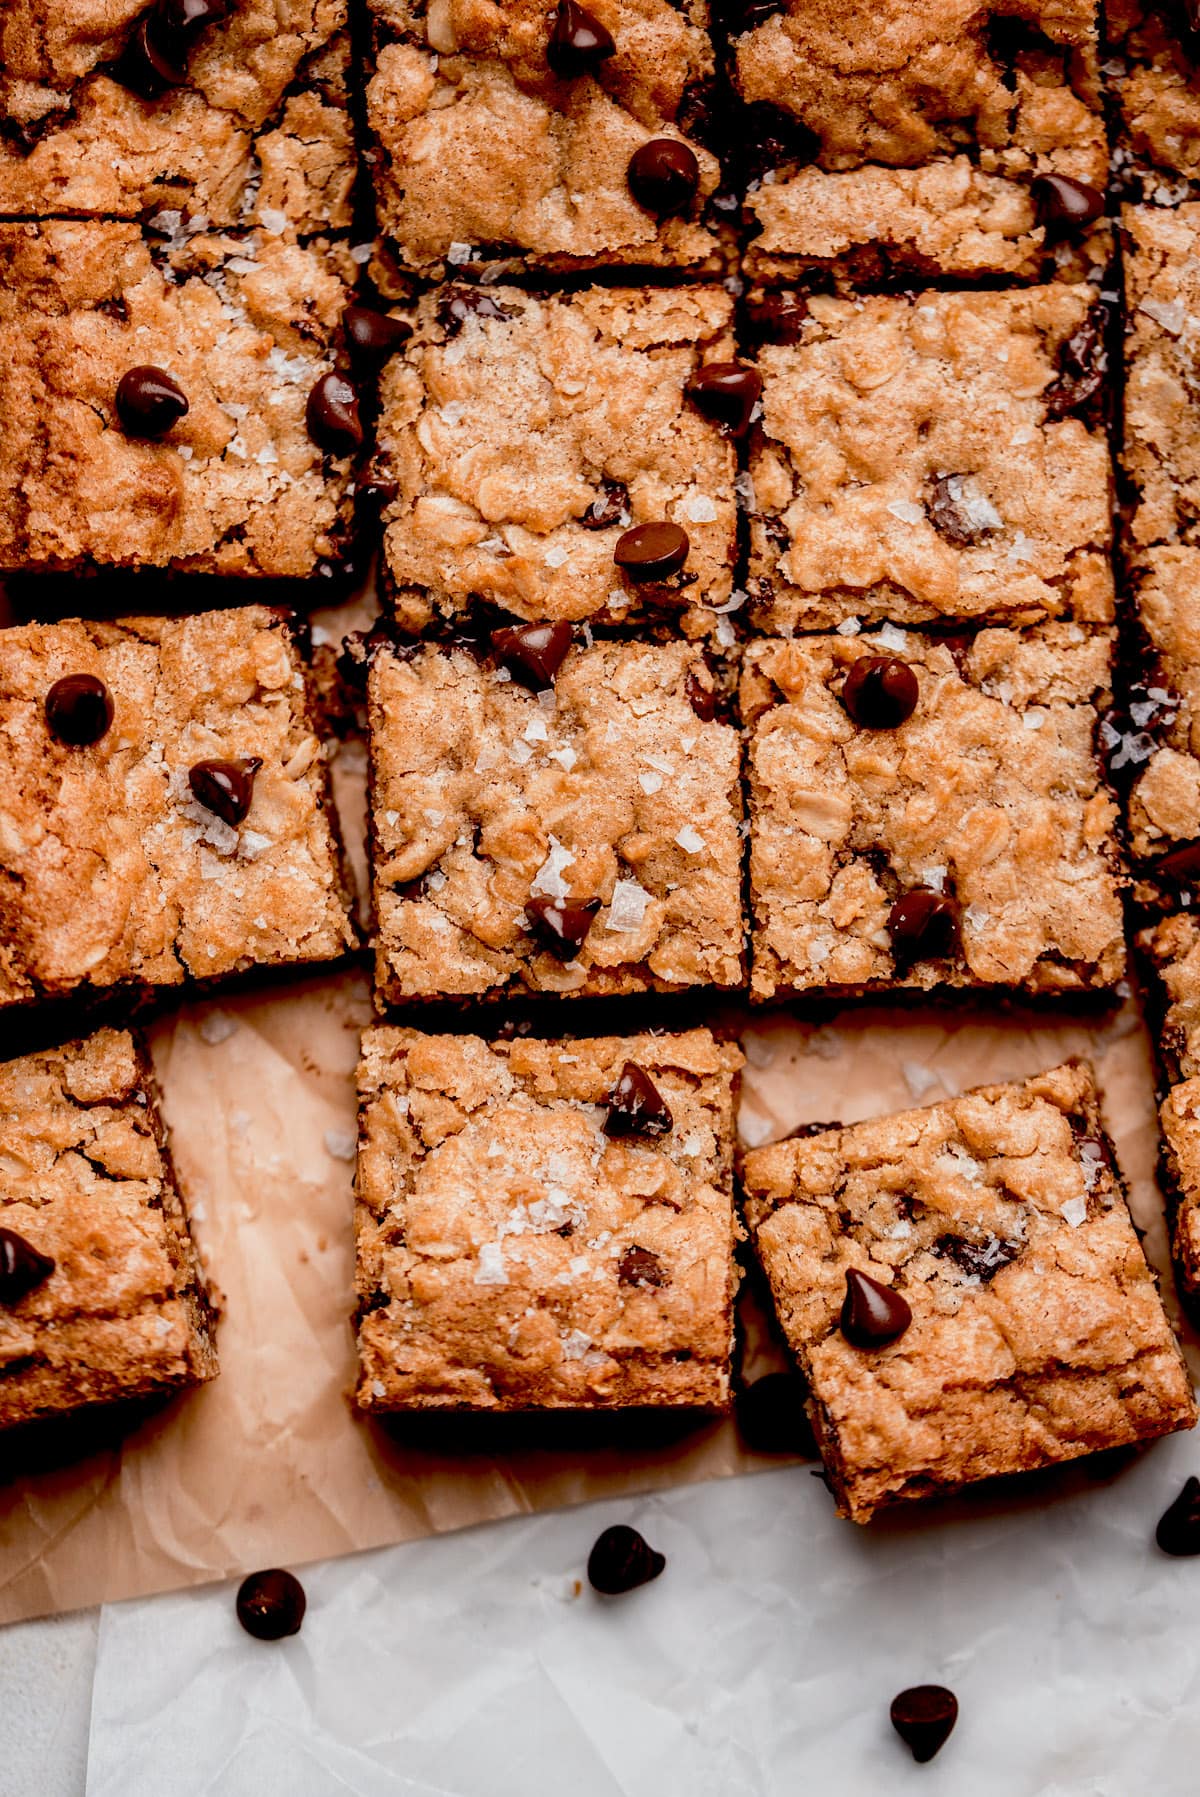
(621, 1560)
(663, 176)
(1065, 207)
(225, 787)
(457, 304)
(636, 1107)
(947, 511)
(776, 317)
(880, 692)
(561, 923)
(331, 415)
(79, 709)
(923, 926)
(1179, 867)
(155, 58)
(728, 393)
(771, 1416)
(371, 337)
(578, 42)
(872, 1314)
(701, 698)
(1178, 1531)
(610, 506)
(533, 653)
(149, 402)
(652, 551)
(640, 1266)
(271, 1604)
(1080, 391)
(982, 1259)
(22, 1267)
(923, 1717)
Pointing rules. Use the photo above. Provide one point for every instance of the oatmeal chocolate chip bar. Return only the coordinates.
(1155, 96)
(101, 1295)
(552, 819)
(933, 458)
(163, 806)
(1162, 438)
(947, 139)
(928, 812)
(498, 140)
(545, 1225)
(236, 112)
(964, 1291)
(172, 402)
(1172, 949)
(527, 439)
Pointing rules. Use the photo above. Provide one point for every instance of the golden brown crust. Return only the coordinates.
(1162, 450)
(1172, 948)
(1156, 99)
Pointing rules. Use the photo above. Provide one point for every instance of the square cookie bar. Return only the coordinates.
(928, 812)
(524, 438)
(1155, 744)
(964, 1291)
(101, 1295)
(936, 458)
(1172, 950)
(1162, 419)
(951, 138)
(1155, 97)
(579, 838)
(234, 113)
(545, 1225)
(512, 134)
(163, 806)
(167, 402)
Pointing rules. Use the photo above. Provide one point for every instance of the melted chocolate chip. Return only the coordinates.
(923, 1717)
(562, 924)
(271, 1604)
(923, 926)
(22, 1267)
(79, 709)
(1178, 1531)
(636, 1107)
(621, 1560)
(225, 787)
(728, 393)
(1064, 207)
(640, 1266)
(371, 337)
(880, 692)
(948, 511)
(533, 653)
(771, 1416)
(776, 317)
(611, 506)
(663, 176)
(983, 1260)
(872, 1314)
(652, 551)
(331, 415)
(578, 42)
(149, 402)
(155, 59)
(1079, 391)
(457, 304)
(1179, 867)
(701, 698)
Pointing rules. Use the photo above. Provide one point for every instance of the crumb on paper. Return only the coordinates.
(341, 1144)
(753, 1128)
(217, 1027)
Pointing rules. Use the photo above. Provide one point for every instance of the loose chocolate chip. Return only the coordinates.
(621, 1560)
(155, 59)
(271, 1604)
(611, 506)
(1080, 387)
(1179, 867)
(880, 692)
(1178, 1531)
(79, 709)
(771, 1416)
(652, 551)
(663, 176)
(331, 415)
(983, 1260)
(22, 1267)
(923, 1717)
(639, 1266)
(533, 653)
(561, 924)
(872, 1314)
(636, 1107)
(728, 393)
(578, 43)
(457, 304)
(225, 787)
(371, 337)
(923, 926)
(1064, 207)
(149, 402)
(948, 510)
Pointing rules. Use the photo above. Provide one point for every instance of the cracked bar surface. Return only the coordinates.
(990, 794)
(1172, 948)
(111, 871)
(1037, 1331)
(86, 1179)
(512, 1256)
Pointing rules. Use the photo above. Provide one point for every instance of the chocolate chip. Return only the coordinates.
(771, 1416)
(663, 176)
(923, 1717)
(948, 511)
(22, 1267)
(983, 1260)
(639, 1266)
(1080, 389)
(923, 926)
(562, 924)
(636, 1107)
(79, 709)
(1179, 867)
(1065, 207)
(371, 337)
(149, 402)
(578, 42)
(457, 304)
(155, 59)
(611, 506)
(880, 692)
(225, 787)
(652, 551)
(331, 415)
(1178, 1531)
(728, 393)
(533, 653)
(776, 317)
(621, 1560)
(872, 1314)
(271, 1604)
